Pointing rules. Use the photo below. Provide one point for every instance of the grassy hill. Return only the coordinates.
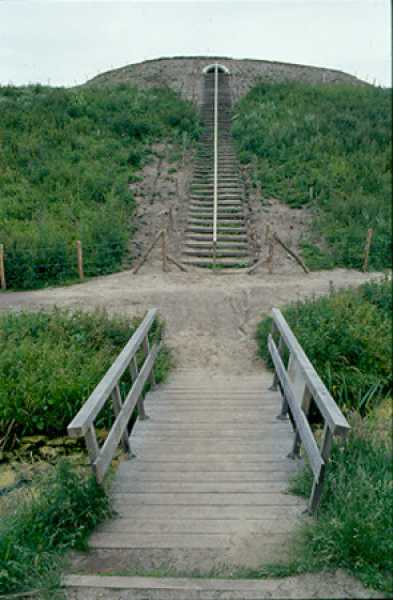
(329, 148)
(66, 159)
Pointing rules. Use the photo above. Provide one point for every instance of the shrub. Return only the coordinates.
(328, 147)
(66, 159)
(51, 361)
(34, 531)
(348, 338)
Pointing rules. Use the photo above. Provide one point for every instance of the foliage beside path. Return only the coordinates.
(67, 159)
(39, 525)
(51, 361)
(348, 337)
(328, 148)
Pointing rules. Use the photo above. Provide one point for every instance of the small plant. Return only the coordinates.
(36, 530)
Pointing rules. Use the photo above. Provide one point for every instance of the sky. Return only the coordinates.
(64, 43)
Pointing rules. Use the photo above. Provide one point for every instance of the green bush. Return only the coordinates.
(328, 147)
(67, 156)
(51, 361)
(354, 527)
(35, 530)
(347, 335)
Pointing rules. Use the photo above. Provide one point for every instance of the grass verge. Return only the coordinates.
(51, 361)
(38, 526)
(348, 337)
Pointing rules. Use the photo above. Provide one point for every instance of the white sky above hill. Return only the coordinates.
(67, 42)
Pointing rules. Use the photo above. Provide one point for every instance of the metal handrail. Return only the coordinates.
(215, 185)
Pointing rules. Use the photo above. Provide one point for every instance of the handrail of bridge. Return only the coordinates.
(300, 385)
(82, 424)
(215, 184)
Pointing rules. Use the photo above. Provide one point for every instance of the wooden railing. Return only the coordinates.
(300, 385)
(109, 387)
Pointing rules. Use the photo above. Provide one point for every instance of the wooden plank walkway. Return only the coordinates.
(207, 487)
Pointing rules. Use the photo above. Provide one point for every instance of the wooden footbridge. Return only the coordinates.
(205, 487)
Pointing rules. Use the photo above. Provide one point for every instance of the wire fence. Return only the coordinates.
(29, 268)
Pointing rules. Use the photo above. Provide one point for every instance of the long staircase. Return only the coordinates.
(216, 233)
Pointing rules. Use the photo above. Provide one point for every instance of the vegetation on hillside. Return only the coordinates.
(67, 157)
(348, 338)
(328, 148)
(51, 361)
(38, 526)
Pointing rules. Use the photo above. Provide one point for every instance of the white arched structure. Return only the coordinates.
(220, 69)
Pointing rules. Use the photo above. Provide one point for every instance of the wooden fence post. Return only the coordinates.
(270, 257)
(164, 251)
(79, 252)
(326, 448)
(367, 249)
(3, 283)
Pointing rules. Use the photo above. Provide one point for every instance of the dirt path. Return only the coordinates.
(211, 318)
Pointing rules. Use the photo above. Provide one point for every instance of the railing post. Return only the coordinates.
(117, 404)
(274, 330)
(326, 448)
(306, 403)
(134, 374)
(146, 346)
(92, 444)
(215, 188)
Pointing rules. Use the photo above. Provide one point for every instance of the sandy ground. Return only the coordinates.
(211, 317)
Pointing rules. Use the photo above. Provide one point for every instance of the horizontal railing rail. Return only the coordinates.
(83, 424)
(301, 385)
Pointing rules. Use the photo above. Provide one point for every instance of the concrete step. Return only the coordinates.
(205, 237)
(220, 253)
(229, 263)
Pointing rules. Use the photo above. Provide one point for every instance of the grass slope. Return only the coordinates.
(67, 156)
(327, 147)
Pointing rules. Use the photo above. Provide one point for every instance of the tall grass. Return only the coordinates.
(67, 157)
(354, 528)
(51, 361)
(329, 148)
(40, 525)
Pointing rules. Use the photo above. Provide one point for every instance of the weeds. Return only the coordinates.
(51, 361)
(352, 351)
(328, 147)
(354, 528)
(57, 515)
